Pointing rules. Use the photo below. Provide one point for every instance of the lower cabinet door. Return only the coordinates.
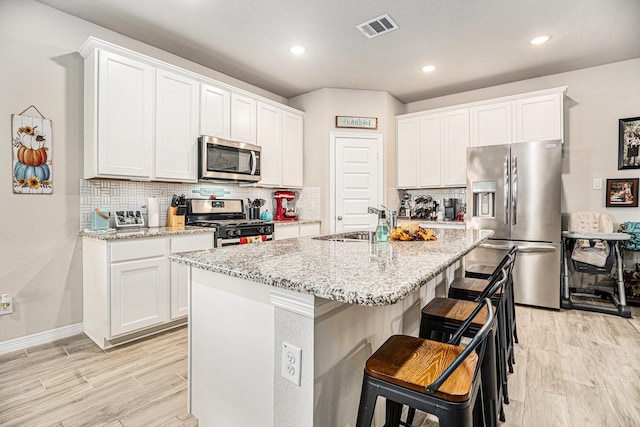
(139, 294)
(179, 290)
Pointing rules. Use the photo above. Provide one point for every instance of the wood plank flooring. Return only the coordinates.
(573, 368)
(72, 382)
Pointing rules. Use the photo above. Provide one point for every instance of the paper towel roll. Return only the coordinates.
(153, 211)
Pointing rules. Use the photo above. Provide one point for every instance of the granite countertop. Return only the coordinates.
(142, 233)
(297, 222)
(363, 273)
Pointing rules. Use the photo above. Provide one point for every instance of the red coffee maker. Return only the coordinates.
(285, 208)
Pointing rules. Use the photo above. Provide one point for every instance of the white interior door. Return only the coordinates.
(357, 180)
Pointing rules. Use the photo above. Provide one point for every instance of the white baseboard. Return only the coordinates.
(40, 338)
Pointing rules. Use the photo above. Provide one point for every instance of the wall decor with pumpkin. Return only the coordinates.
(31, 141)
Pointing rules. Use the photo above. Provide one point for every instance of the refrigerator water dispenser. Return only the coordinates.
(484, 198)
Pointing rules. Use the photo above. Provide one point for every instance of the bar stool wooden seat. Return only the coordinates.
(439, 378)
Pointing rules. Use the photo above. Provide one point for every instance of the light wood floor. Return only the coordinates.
(71, 382)
(573, 368)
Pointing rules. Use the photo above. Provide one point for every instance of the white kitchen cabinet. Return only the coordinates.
(180, 273)
(454, 147)
(430, 150)
(119, 116)
(280, 134)
(491, 124)
(407, 152)
(243, 118)
(130, 289)
(176, 139)
(270, 139)
(539, 117)
(215, 111)
(292, 150)
(139, 294)
(309, 229)
(293, 230)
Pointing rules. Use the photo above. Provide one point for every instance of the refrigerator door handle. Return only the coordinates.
(506, 190)
(514, 194)
(529, 249)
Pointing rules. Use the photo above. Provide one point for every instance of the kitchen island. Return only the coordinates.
(337, 301)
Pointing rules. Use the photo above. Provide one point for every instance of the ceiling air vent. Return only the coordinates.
(377, 26)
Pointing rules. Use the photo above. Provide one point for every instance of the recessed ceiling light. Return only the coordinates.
(428, 68)
(539, 40)
(297, 50)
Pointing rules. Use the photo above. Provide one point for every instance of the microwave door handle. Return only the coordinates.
(253, 162)
(514, 196)
(506, 190)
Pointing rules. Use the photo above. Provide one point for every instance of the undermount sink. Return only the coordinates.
(352, 236)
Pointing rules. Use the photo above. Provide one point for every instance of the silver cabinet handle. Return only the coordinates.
(514, 194)
(339, 217)
(506, 190)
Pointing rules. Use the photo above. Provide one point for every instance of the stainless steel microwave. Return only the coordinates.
(228, 160)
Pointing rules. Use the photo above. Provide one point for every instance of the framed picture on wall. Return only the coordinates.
(622, 193)
(629, 143)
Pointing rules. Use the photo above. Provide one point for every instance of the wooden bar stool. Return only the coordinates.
(481, 271)
(445, 315)
(471, 286)
(439, 378)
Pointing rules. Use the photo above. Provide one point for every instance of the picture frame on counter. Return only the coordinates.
(629, 143)
(357, 122)
(622, 193)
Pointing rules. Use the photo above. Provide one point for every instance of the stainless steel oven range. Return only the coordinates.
(227, 216)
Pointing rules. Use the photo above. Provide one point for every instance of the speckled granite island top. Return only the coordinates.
(360, 272)
(143, 233)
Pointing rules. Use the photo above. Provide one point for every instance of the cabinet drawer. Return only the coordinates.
(143, 248)
(309, 230)
(191, 243)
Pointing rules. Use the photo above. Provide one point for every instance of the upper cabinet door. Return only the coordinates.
(292, 150)
(270, 139)
(454, 147)
(491, 124)
(176, 127)
(125, 118)
(215, 111)
(407, 152)
(429, 150)
(539, 118)
(243, 119)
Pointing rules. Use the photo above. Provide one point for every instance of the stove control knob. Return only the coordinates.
(238, 232)
(229, 232)
(261, 230)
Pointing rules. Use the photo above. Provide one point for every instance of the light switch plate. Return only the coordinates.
(597, 183)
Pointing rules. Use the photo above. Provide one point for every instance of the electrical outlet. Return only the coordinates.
(6, 304)
(291, 363)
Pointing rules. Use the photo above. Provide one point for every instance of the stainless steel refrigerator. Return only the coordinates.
(515, 189)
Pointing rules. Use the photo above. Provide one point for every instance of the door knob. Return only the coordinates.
(339, 217)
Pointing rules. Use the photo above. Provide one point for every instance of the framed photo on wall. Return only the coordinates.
(629, 143)
(622, 193)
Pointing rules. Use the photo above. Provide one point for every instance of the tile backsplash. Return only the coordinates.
(131, 195)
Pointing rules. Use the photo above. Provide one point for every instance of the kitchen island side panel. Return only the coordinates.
(236, 337)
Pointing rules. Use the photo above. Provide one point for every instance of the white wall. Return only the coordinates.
(595, 100)
(41, 257)
(321, 108)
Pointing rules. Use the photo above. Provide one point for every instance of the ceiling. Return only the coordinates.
(474, 43)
